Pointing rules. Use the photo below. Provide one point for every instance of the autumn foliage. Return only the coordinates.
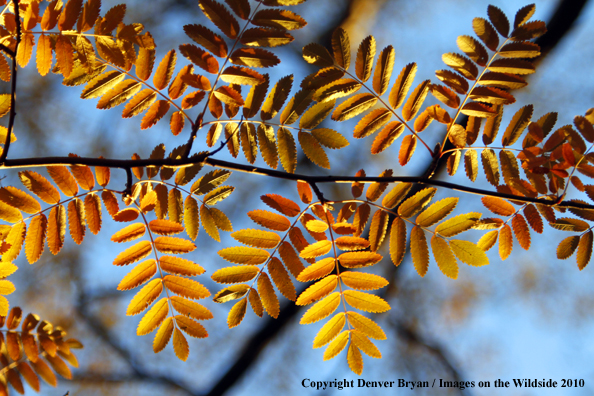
(329, 243)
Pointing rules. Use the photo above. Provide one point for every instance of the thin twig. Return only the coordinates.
(13, 83)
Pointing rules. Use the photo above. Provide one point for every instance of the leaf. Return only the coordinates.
(219, 15)
(76, 220)
(56, 229)
(363, 281)
(173, 245)
(320, 269)
(490, 166)
(321, 309)
(241, 76)
(318, 290)
(93, 213)
(155, 112)
(512, 66)
(281, 278)
(237, 274)
(416, 203)
(280, 19)
(254, 57)
(529, 31)
(206, 38)
(499, 20)
(210, 181)
(498, 206)
(180, 266)
(377, 229)
(469, 253)
(364, 344)
(244, 255)
(287, 150)
(44, 55)
(402, 85)
(373, 121)
(568, 224)
(163, 335)
(584, 250)
(312, 149)
(437, 212)
(461, 64)
(237, 313)
(139, 275)
(40, 186)
(567, 247)
(521, 230)
(316, 249)
(36, 238)
(281, 204)
(419, 250)
(517, 125)
(457, 224)
(365, 56)
(365, 301)
(359, 259)
(185, 287)
(180, 345)
(473, 49)
(365, 326)
(268, 297)
(145, 297)
(190, 308)
(262, 37)
(276, 98)
(19, 199)
(217, 195)
(444, 257)
(165, 70)
(134, 253)
(318, 55)
(139, 103)
(330, 330)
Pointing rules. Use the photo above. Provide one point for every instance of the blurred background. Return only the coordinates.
(526, 317)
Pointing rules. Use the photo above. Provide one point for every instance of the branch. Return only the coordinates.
(13, 83)
(204, 159)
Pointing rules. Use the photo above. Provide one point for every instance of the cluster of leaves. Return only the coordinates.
(23, 353)
(334, 247)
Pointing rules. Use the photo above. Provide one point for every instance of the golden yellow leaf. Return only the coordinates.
(110, 201)
(174, 245)
(359, 259)
(268, 296)
(321, 309)
(6, 287)
(15, 239)
(330, 330)
(165, 70)
(351, 243)
(318, 270)
(355, 359)
(35, 238)
(153, 318)
(458, 224)
(19, 199)
(268, 147)
(318, 290)
(123, 91)
(40, 186)
(365, 56)
(506, 241)
(363, 343)
(257, 238)
(185, 287)
(279, 19)
(76, 220)
(362, 280)
(208, 223)
(416, 203)
(377, 229)
(134, 253)
(6, 269)
(354, 106)
(316, 249)
(372, 121)
(145, 297)
(365, 326)
(337, 345)
(163, 335)
(44, 55)
(237, 313)
(25, 49)
(444, 257)
(281, 278)
(419, 250)
(244, 255)
(469, 253)
(512, 66)
(190, 308)
(488, 240)
(177, 265)
(227, 95)
(43, 371)
(142, 273)
(154, 114)
(99, 85)
(256, 303)
(517, 125)
(237, 274)
(180, 345)
(490, 166)
(365, 301)
(436, 212)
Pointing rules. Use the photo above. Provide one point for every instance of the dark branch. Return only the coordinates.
(13, 83)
